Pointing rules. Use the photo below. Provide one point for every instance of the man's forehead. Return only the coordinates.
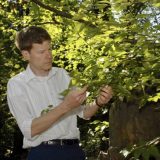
(41, 45)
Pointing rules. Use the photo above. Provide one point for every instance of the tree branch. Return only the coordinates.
(61, 13)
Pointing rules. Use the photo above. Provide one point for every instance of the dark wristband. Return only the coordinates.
(96, 101)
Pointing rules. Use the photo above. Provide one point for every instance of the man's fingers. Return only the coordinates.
(83, 90)
(82, 98)
(105, 94)
(106, 88)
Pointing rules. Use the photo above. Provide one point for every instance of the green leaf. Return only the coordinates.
(65, 92)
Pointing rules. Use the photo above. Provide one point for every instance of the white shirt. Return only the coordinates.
(29, 95)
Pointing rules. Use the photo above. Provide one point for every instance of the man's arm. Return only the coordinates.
(104, 97)
(74, 99)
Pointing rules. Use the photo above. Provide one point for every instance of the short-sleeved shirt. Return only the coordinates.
(28, 96)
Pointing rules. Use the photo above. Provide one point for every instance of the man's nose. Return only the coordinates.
(49, 54)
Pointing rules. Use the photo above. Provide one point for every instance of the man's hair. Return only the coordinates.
(25, 38)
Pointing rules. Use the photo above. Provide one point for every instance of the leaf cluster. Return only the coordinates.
(145, 151)
(98, 41)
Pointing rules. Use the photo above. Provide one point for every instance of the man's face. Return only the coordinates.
(40, 58)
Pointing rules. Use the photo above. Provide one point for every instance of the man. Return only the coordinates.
(47, 120)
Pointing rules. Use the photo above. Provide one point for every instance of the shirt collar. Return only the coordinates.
(30, 75)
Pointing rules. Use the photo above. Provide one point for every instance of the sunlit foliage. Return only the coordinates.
(114, 42)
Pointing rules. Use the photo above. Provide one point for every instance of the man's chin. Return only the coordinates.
(48, 68)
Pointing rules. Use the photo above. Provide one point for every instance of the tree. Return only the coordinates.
(98, 42)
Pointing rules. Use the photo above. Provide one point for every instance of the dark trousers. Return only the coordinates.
(56, 152)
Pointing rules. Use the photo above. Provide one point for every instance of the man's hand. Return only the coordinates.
(104, 96)
(75, 98)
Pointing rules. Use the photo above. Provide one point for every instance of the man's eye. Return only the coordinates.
(41, 52)
(50, 49)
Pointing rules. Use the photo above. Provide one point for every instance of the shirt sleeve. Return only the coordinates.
(19, 108)
(65, 78)
(81, 112)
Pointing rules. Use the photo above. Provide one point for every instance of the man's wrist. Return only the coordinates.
(96, 102)
(65, 107)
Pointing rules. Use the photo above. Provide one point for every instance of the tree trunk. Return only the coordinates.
(130, 125)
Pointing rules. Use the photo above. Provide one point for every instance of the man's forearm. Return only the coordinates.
(45, 121)
(104, 97)
(90, 110)
(74, 99)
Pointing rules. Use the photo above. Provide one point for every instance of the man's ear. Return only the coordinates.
(25, 55)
